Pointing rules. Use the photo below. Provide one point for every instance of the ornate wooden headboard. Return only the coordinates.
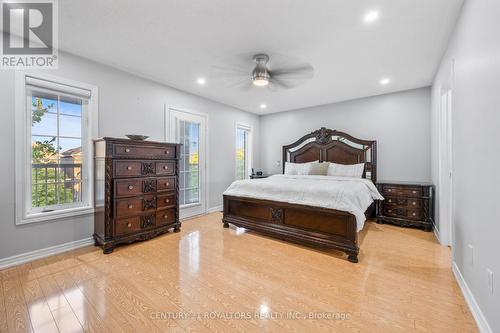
(328, 145)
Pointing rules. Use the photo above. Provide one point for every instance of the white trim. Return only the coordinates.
(436, 233)
(215, 209)
(42, 253)
(22, 155)
(168, 136)
(478, 315)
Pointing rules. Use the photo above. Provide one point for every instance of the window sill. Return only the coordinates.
(56, 215)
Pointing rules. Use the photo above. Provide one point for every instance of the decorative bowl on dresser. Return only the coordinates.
(136, 189)
(407, 204)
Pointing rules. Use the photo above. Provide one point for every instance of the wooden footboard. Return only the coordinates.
(297, 223)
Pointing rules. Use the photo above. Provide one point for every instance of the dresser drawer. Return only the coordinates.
(404, 191)
(164, 201)
(403, 212)
(165, 216)
(166, 184)
(128, 168)
(133, 150)
(134, 206)
(127, 226)
(128, 187)
(404, 201)
(165, 168)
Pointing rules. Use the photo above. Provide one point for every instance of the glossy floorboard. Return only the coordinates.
(207, 278)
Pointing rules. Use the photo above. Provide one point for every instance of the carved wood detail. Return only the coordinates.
(148, 168)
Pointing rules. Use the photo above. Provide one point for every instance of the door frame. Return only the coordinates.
(170, 137)
(445, 150)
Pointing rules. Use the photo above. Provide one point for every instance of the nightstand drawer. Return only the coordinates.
(404, 201)
(402, 191)
(403, 212)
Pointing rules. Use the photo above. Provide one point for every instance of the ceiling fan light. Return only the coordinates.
(260, 82)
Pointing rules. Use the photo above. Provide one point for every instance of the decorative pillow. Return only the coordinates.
(319, 169)
(346, 170)
(298, 168)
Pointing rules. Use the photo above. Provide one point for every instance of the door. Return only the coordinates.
(445, 167)
(189, 129)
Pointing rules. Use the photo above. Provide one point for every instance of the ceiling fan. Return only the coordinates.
(283, 73)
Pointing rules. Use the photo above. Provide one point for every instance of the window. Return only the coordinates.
(189, 136)
(54, 148)
(243, 151)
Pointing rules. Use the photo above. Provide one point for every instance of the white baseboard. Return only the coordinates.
(215, 209)
(436, 233)
(42, 253)
(481, 321)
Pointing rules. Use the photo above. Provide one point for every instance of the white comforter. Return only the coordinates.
(353, 195)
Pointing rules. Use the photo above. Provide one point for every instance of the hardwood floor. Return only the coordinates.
(403, 283)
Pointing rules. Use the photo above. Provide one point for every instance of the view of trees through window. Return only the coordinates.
(56, 153)
(241, 153)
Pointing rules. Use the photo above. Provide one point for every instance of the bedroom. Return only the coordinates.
(410, 86)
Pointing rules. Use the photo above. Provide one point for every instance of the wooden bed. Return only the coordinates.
(308, 225)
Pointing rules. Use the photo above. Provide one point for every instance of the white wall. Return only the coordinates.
(399, 122)
(475, 49)
(127, 104)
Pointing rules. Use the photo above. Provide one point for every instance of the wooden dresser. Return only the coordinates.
(135, 190)
(406, 204)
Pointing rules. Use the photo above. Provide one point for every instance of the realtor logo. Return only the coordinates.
(29, 34)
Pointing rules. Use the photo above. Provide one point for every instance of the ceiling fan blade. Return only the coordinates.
(276, 84)
(301, 72)
(241, 84)
(229, 71)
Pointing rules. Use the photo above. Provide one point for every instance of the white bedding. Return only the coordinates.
(353, 195)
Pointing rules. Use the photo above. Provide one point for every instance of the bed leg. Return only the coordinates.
(352, 257)
(226, 225)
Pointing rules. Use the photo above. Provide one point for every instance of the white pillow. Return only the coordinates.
(346, 170)
(319, 169)
(298, 168)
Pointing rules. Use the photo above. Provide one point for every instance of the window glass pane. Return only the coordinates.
(71, 107)
(56, 150)
(189, 166)
(241, 169)
(70, 126)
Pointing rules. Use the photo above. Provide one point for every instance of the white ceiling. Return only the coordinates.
(175, 42)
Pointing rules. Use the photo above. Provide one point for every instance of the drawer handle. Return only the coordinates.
(129, 225)
(127, 150)
(389, 190)
(167, 184)
(130, 187)
(165, 167)
(165, 216)
(413, 203)
(390, 200)
(129, 168)
(167, 200)
(130, 206)
(414, 214)
(390, 210)
(414, 192)
(167, 152)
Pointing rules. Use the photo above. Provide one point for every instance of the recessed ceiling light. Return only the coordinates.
(201, 81)
(385, 81)
(263, 106)
(371, 16)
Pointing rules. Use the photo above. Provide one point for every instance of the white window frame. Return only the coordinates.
(23, 153)
(248, 148)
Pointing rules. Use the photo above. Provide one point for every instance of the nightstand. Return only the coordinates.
(407, 204)
(258, 176)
